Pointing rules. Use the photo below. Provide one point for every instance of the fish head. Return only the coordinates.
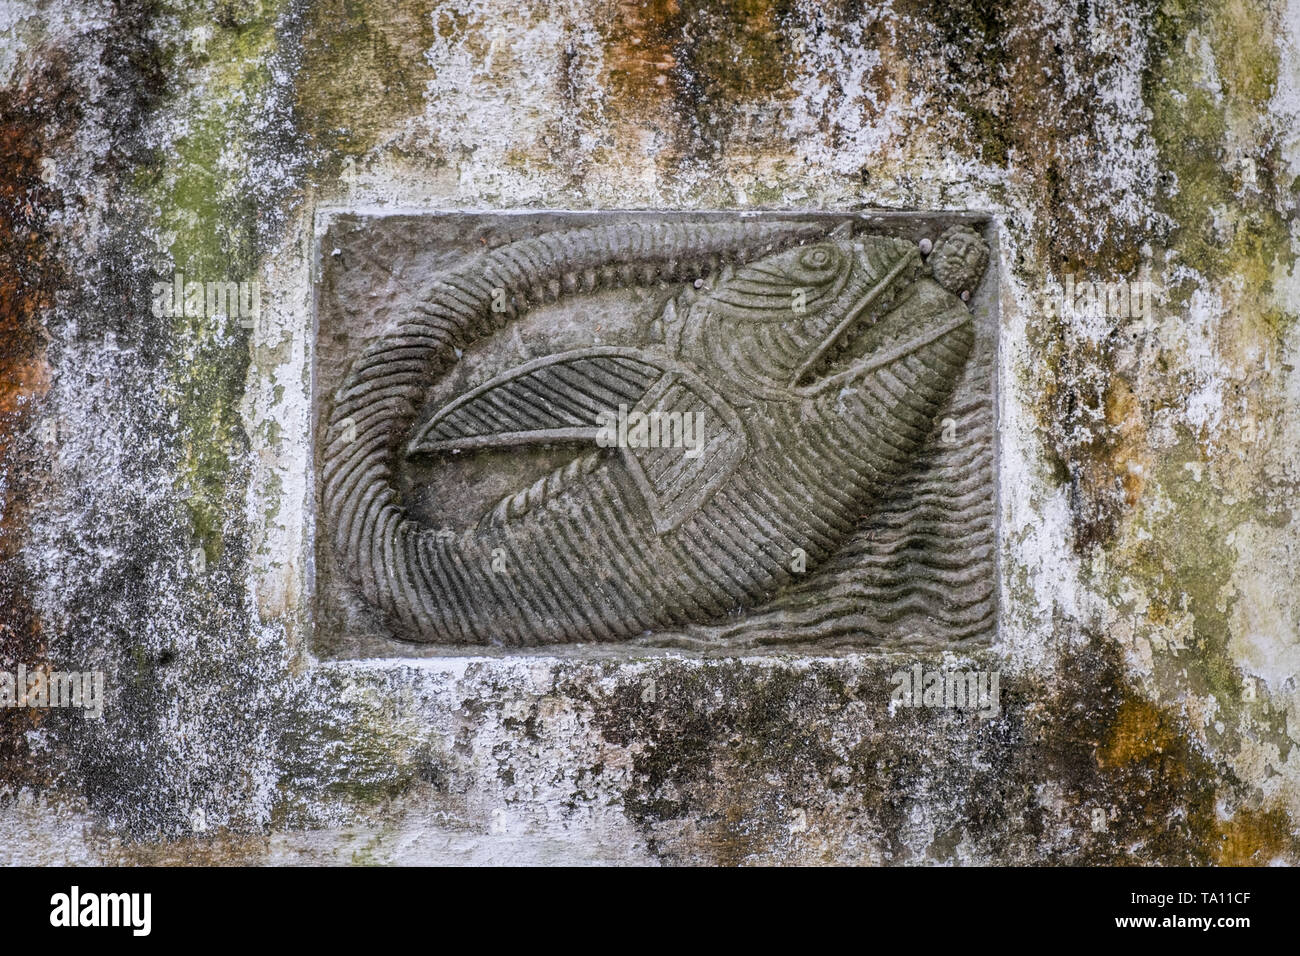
(803, 322)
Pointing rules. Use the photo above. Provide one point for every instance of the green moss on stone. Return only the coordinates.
(1223, 224)
(363, 71)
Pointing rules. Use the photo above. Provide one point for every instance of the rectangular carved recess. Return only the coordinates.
(719, 432)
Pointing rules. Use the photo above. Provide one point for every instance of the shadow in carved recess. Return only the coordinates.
(793, 447)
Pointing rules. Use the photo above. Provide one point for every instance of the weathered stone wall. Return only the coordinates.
(1149, 639)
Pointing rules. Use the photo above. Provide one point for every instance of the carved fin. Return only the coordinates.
(678, 438)
(556, 398)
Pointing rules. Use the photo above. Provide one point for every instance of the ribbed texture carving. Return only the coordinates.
(422, 583)
(577, 557)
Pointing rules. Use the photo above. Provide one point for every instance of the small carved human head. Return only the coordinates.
(959, 259)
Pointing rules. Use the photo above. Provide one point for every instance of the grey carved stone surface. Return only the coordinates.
(704, 431)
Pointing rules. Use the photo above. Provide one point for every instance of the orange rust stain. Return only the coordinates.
(1097, 428)
(1124, 419)
(1140, 732)
(28, 275)
(1256, 838)
(639, 48)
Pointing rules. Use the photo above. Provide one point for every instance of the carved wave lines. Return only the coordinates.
(921, 568)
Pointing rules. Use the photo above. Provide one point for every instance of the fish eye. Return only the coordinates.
(818, 257)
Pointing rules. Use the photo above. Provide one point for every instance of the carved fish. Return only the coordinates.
(812, 371)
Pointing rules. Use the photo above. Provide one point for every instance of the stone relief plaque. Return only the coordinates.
(708, 431)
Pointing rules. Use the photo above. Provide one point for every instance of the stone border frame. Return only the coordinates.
(909, 223)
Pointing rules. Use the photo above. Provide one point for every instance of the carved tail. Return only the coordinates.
(386, 553)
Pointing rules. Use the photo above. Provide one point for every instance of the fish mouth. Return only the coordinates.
(848, 342)
(862, 343)
(874, 356)
(846, 345)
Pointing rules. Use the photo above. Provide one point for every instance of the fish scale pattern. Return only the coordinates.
(577, 560)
